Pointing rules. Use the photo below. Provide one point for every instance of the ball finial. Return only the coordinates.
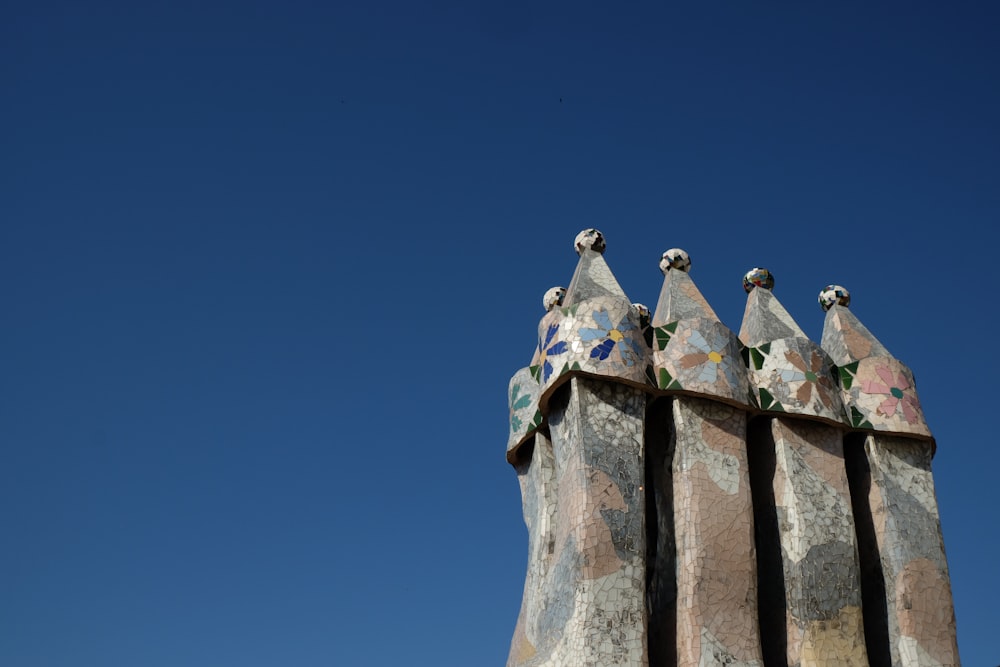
(589, 238)
(676, 259)
(553, 297)
(757, 277)
(834, 295)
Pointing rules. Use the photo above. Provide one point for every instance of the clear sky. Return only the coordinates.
(267, 268)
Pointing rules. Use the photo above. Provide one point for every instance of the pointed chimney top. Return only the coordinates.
(592, 277)
(845, 338)
(834, 295)
(679, 297)
(765, 319)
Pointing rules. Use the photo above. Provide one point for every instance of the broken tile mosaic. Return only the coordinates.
(673, 474)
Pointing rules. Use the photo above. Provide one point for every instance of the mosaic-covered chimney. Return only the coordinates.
(695, 497)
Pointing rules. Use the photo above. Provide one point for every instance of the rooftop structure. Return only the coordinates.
(698, 497)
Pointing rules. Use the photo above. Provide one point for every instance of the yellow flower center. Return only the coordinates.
(616, 335)
(714, 356)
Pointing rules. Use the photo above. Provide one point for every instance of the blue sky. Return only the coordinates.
(268, 267)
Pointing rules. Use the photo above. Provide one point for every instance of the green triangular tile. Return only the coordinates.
(847, 374)
(767, 401)
(662, 337)
(858, 420)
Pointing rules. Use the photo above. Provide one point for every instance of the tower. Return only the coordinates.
(694, 497)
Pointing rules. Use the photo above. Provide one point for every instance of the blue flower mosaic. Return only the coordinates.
(547, 349)
(613, 336)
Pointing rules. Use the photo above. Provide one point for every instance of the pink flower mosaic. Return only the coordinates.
(898, 392)
(882, 396)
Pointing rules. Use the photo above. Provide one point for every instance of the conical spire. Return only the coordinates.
(788, 372)
(878, 389)
(693, 352)
(765, 319)
(592, 278)
(680, 298)
(523, 391)
(845, 338)
(596, 331)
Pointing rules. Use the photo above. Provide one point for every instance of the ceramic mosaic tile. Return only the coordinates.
(553, 298)
(846, 339)
(675, 259)
(758, 277)
(908, 531)
(594, 582)
(601, 336)
(788, 372)
(643, 312)
(818, 546)
(536, 476)
(597, 330)
(794, 375)
(881, 395)
(702, 357)
(589, 239)
(680, 298)
(879, 392)
(525, 416)
(714, 528)
(616, 399)
(592, 279)
(765, 319)
(834, 295)
(692, 350)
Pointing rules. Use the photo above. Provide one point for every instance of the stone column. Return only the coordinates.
(908, 532)
(533, 639)
(697, 359)
(599, 538)
(716, 570)
(585, 603)
(818, 546)
(880, 394)
(793, 380)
